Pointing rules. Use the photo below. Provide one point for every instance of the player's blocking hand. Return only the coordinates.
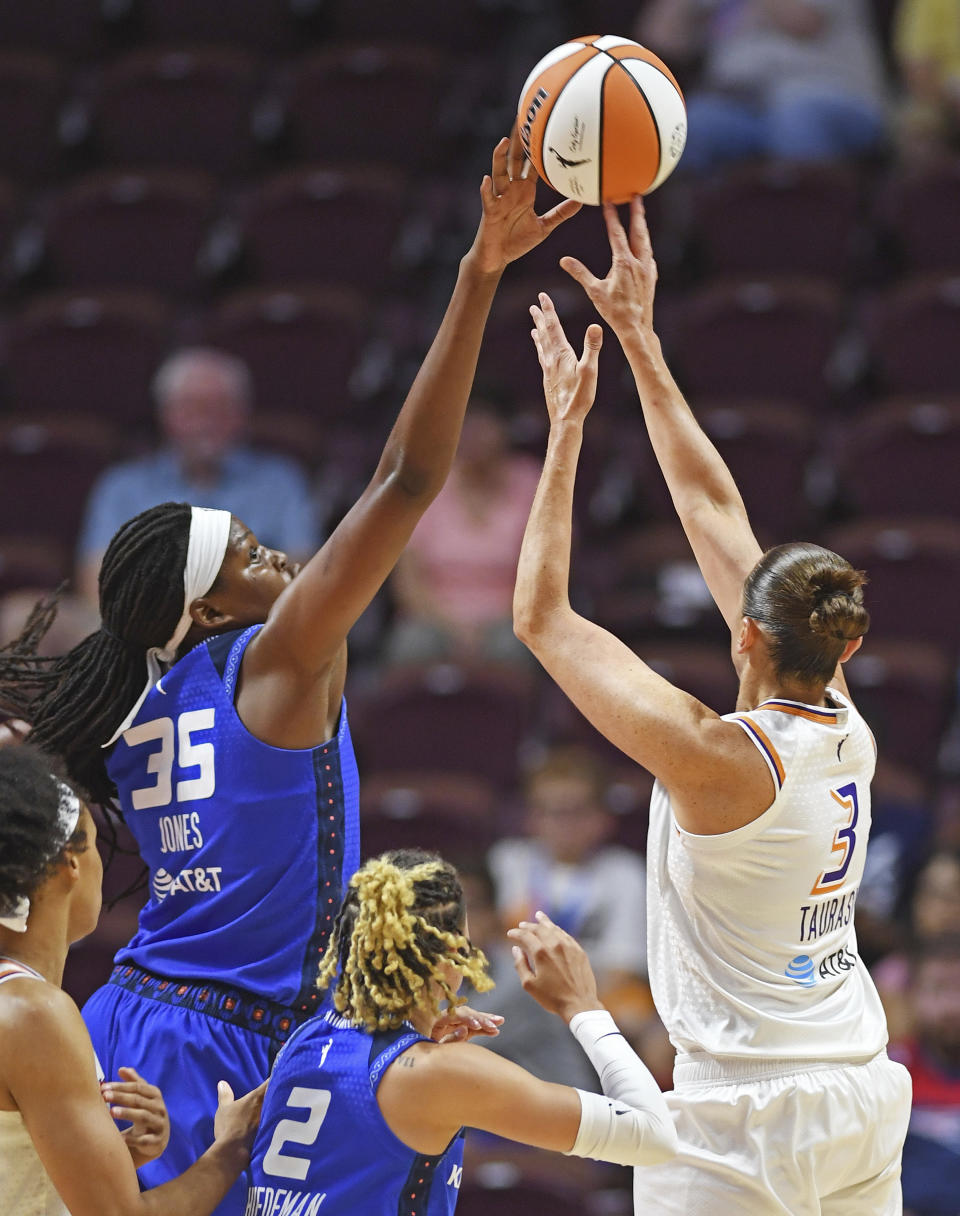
(461, 1023)
(553, 967)
(135, 1101)
(510, 226)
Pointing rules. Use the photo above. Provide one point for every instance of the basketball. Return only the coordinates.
(602, 119)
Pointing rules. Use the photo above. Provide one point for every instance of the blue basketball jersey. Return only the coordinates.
(249, 846)
(324, 1147)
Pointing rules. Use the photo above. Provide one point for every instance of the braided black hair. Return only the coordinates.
(74, 702)
(32, 838)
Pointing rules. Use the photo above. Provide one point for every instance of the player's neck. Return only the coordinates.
(43, 948)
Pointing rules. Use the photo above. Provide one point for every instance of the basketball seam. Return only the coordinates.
(653, 116)
(543, 159)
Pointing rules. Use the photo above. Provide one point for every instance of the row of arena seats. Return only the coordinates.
(84, 30)
(317, 349)
(764, 221)
(896, 461)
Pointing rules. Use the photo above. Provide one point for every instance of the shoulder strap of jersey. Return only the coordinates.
(10, 970)
(752, 729)
(382, 1057)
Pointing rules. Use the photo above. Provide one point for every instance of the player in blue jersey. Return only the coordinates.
(235, 770)
(364, 1109)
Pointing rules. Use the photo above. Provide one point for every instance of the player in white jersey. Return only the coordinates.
(784, 1099)
(60, 1150)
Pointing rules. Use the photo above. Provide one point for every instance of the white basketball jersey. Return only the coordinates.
(752, 948)
(25, 1187)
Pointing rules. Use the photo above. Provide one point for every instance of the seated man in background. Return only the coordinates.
(204, 398)
(567, 867)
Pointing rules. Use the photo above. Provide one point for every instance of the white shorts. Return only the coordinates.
(818, 1140)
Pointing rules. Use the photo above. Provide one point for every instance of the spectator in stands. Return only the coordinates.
(453, 585)
(203, 398)
(934, 910)
(931, 1154)
(567, 867)
(798, 80)
(926, 45)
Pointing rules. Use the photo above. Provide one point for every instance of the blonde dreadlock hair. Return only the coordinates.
(400, 924)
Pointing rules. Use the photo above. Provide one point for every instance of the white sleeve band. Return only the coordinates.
(629, 1123)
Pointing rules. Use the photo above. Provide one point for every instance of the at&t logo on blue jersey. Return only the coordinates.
(201, 879)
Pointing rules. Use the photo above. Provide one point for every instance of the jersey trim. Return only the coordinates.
(812, 713)
(765, 747)
(9, 970)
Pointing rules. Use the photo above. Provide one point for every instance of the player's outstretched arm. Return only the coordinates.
(47, 1065)
(703, 491)
(432, 1091)
(670, 733)
(313, 617)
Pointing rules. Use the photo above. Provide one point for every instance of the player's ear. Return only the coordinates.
(851, 649)
(747, 635)
(207, 615)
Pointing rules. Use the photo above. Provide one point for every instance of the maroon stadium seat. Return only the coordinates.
(902, 456)
(300, 345)
(911, 332)
(362, 102)
(31, 94)
(330, 223)
(918, 213)
(759, 338)
(142, 230)
(778, 218)
(90, 352)
(188, 109)
(914, 571)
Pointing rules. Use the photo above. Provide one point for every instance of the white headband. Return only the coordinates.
(68, 816)
(209, 535)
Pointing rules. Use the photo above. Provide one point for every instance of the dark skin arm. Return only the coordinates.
(293, 672)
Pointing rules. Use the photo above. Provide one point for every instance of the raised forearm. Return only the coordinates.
(543, 571)
(695, 473)
(424, 439)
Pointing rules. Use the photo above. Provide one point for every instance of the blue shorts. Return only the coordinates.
(185, 1038)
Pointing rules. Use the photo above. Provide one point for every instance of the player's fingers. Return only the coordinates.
(516, 156)
(142, 1117)
(615, 233)
(576, 270)
(556, 215)
(224, 1093)
(640, 241)
(487, 194)
(498, 170)
(592, 341)
(522, 966)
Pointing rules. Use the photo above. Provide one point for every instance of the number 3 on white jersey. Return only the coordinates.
(844, 840)
(189, 755)
(293, 1131)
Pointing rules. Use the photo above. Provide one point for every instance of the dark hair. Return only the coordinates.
(401, 920)
(809, 601)
(75, 702)
(32, 839)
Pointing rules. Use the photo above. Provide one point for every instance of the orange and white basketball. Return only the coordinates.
(602, 119)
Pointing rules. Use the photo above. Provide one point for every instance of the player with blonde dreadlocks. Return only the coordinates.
(398, 941)
(387, 1105)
